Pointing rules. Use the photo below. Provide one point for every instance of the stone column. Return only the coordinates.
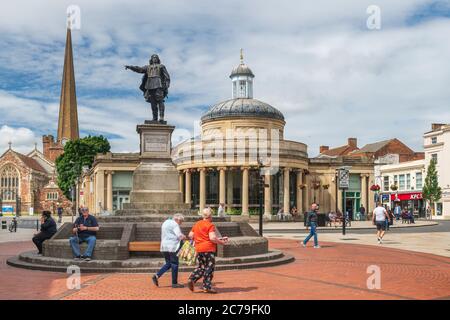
(100, 191)
(109, 191)
(286, 198)
(202, 189)
(268, 195)
(187, 194)
(364, 190)
(222, 185)
(229, 190)
(181, 180)
(245, 191)
(299, 191)
(307, 190)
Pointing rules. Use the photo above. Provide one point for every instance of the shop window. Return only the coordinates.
(439, 209)
(418, 180)
(401, 180)
(386, 183)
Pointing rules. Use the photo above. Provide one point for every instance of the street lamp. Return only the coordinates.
(261, 185)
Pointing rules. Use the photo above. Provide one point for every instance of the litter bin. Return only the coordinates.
(4, 226)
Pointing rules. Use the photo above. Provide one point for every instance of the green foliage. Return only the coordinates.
(431, 190)
(234, 212)
(78, 153)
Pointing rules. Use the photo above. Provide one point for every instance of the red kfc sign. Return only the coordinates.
(407, 196)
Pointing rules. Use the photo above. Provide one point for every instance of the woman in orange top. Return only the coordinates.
(206, 240)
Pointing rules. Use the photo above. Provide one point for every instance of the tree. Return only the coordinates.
(431, 190)
(77, 154)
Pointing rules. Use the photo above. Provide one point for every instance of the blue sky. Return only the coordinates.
(315, 61)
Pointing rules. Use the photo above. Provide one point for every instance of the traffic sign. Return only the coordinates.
(344, 179)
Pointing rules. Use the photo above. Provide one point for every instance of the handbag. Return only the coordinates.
(187, 254)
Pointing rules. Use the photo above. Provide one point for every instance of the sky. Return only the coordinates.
(316, 61)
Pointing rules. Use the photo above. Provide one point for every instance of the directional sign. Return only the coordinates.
(344, 179)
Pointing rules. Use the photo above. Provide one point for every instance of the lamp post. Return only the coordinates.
(261, 185)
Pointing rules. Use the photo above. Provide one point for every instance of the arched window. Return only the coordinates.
(9, 183)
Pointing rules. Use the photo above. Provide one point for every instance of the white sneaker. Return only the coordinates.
(317, 247)
(304, 245)
(381, 241)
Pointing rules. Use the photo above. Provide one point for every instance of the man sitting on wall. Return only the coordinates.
(85, 230)
(48, 229)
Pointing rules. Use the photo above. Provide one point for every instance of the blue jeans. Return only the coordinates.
(312, 232)
(76, 246)
(171, 263)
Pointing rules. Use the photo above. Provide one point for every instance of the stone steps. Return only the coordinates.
(153, 218)
(30, 260)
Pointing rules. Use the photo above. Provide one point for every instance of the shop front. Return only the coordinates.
(409, 200)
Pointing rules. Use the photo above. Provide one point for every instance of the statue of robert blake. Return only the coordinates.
(155, 85)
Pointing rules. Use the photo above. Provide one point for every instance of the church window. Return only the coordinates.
(52, 195)
(9, 183)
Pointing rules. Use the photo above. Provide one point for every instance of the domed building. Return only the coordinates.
(224, 164)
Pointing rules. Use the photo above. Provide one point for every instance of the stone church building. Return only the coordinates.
(28, 182)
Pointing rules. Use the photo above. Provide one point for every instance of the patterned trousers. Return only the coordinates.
(205, 269)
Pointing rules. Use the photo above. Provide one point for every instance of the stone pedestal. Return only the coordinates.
(155, 180)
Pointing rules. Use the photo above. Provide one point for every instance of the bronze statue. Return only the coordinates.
(155, 85)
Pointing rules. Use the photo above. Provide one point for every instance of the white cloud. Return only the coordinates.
(316, 62)
(21, 139)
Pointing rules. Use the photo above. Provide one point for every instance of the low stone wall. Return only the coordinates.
(113, 239)
(243, 246)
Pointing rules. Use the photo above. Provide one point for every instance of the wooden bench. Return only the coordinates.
(144, 246)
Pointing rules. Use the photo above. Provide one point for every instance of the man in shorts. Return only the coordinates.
(380, 216)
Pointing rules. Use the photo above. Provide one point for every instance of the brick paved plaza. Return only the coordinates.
(336, 271)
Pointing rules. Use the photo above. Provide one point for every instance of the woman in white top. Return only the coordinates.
(379, 219)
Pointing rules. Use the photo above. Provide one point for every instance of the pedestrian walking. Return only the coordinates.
(171, 238)
(206, 239)
(311, 223)
(380, 216)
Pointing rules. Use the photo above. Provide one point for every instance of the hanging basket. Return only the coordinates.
(394, 187)
(375, 187)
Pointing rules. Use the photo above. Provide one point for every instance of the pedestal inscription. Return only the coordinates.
(155, 143)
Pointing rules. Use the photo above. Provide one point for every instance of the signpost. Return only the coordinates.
(344, 184)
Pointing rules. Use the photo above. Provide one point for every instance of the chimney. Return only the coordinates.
(47, 143)
(324, 148)
(353, 142)
(436, 126)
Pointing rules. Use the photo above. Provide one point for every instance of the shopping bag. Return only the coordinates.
(187, 254)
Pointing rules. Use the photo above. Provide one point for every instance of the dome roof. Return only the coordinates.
(242, 69)
(242, 107)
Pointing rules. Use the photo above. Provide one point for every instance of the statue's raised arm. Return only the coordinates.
(155, 85)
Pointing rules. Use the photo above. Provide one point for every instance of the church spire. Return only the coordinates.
(68, 114)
